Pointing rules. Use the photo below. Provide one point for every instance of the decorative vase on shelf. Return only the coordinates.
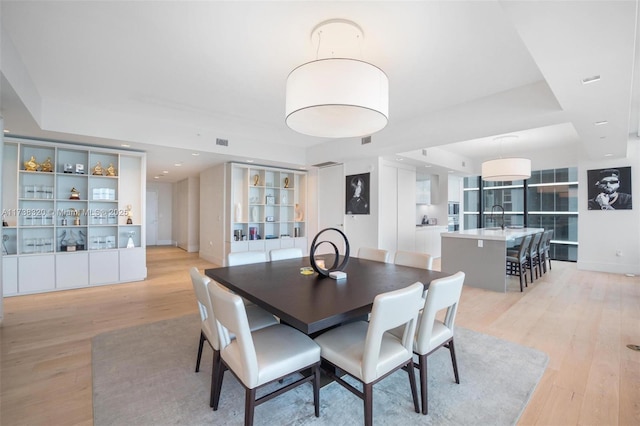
(299, 213)
(238, 212)
(254, 214)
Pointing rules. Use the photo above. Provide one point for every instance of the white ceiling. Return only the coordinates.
(169, 77)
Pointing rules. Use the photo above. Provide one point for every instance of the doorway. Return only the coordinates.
(152, 218)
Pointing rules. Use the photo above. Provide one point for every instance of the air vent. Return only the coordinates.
(222, 142)
(366, 140)
(326, 164)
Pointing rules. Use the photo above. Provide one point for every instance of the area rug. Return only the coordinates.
(145, 375)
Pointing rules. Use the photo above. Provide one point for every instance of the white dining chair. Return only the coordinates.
(379, 255)
(285, 253)
(258, 318)
(366, 352)
(246, 257)
(260, 357)
(432, 333)
(413, 259)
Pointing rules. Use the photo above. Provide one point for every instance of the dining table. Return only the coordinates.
(311, 302)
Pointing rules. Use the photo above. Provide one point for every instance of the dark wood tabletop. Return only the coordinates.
(312, 303)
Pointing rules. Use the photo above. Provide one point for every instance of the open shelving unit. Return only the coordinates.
(66, 220)
(267, 208)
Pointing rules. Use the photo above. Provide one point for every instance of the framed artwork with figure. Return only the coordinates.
(357, 194)
(610, 188)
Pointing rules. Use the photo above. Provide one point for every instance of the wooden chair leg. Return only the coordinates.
(215, 366)
(423, 383)
(452, 349)
(219, 375)
(200, 346)
(249, 406)
(412, 383)
(316, 389)
(368, 404)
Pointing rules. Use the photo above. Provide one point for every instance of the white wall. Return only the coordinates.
(186, 226)
(602, 233)
(213, 214)
(1, 156)
(165, 211)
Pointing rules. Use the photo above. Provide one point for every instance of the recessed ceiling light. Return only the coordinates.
(600, 123)
(302, 168)
(249, 161)
(156, 177)
(427, 165)
(608, 154)
(399, 159)
(7, 130)
(178, 164)
(165, 171)
(125, 145)
(591, 79)
(195, 154)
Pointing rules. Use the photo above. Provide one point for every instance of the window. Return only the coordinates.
(549, 200)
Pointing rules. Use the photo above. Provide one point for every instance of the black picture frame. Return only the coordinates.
(357, 194)
(600, 195)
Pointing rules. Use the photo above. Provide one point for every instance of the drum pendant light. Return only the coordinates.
(506, 169)
(337, 97)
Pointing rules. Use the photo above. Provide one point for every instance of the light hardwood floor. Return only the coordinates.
(583, 320)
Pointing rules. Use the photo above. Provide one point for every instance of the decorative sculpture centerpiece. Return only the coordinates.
(111, 171)
(129, 215)
(46, 166)
(31, 165)
(130, 243)
(335, 267)
(97, 170)
(75, 194)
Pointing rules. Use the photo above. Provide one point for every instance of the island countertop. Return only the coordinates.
(497, 234)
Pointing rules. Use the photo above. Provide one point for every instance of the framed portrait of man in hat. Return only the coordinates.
(610, 188)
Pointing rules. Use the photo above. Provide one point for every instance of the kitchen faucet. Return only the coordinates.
(501, 208)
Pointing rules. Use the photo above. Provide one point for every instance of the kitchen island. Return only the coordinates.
(481, 254)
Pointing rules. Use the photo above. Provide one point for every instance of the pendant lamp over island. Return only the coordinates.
(506, 169)
(337, 97)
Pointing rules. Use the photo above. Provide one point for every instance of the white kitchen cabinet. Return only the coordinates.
(427, 189)
(64, 201)
(428, 239)
(398, 199)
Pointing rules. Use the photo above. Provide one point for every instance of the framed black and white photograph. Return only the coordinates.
(610, 188)
(357, 194)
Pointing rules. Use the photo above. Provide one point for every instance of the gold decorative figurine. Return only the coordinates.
(75, 194)
(31, 165)
(256, 180)
(46, 166)
(286, 182)
(97, 170)
(111, 171)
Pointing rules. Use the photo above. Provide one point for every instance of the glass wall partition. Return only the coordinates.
(549, 200)
(552, 197)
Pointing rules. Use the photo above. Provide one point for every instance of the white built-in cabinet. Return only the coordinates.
(428, 239)
(397, 208)
(267, 208)
(65, 222)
